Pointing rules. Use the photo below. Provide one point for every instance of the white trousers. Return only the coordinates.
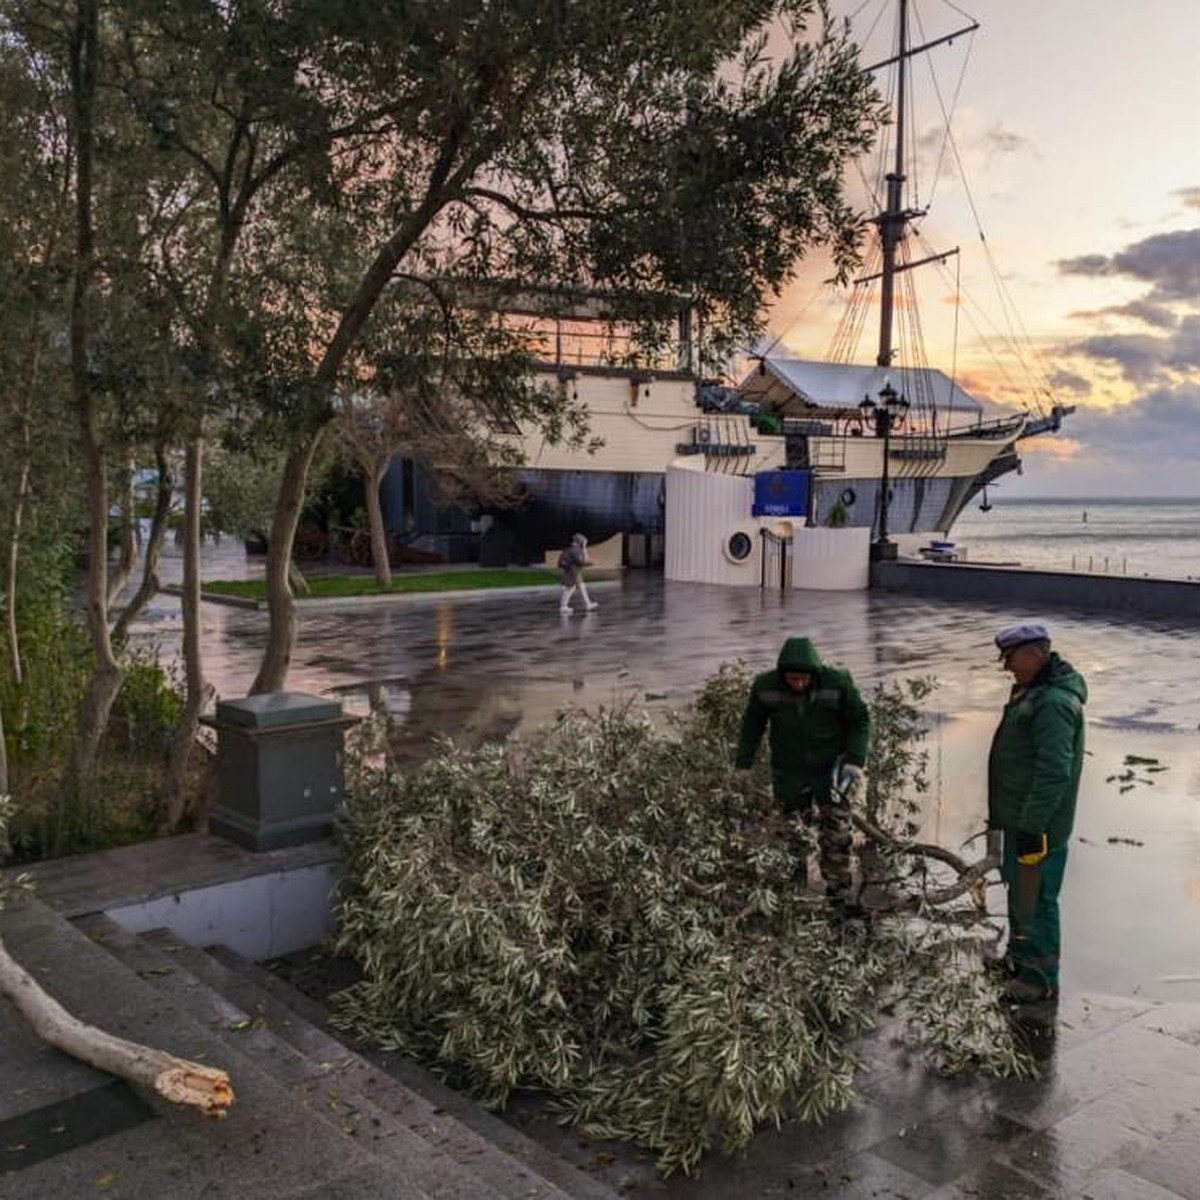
(568, 590)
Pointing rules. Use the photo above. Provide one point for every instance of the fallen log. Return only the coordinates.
(175, 1079)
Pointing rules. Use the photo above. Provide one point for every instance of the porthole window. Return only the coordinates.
(848, 496)
(739, 547)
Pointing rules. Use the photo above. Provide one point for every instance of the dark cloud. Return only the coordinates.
(1157, 316)
(1162, 424)
(1138, 355)
(1168, 262)
(1068, 381)
(1087, 264)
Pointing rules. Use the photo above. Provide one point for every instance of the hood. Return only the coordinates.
(1060, 674)
(798, 654)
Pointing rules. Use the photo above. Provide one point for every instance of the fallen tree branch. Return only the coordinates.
(970, 875)
(175, 1079)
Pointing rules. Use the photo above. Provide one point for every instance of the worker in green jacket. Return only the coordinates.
(1033, 782)
(818, 723)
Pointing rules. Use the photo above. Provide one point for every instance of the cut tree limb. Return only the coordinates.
(970, 879)
(175, 1079)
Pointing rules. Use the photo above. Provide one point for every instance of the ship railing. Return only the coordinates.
(1002, 427)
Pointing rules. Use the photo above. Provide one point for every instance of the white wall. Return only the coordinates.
(704, 510)
(833, 560)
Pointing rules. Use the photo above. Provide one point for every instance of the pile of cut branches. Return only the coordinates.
(608, 914)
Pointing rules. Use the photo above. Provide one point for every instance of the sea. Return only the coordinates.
(1154, 537)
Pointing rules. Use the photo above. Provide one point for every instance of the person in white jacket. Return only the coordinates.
(570, 565)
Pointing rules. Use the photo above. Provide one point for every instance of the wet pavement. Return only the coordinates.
(483, 665)
(1115, 1113)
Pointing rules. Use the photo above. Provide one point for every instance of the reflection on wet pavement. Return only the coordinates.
(1115, 1111)
(477, 666)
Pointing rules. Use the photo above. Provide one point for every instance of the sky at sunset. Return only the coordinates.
(1076, 124)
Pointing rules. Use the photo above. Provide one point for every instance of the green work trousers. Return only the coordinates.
(1033, 928)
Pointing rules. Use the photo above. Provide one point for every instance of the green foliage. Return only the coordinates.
(147, 708)
(898, 763)
(10, 884)
(424, 581)
(40, 721)
(40, 712)
(608, 914)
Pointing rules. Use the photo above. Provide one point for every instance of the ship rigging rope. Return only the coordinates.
(1034, 382)
(1007, 306)
(947, 114)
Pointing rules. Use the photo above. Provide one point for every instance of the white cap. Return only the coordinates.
(1018, 635)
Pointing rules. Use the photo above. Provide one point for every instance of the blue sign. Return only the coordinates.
(780, 494)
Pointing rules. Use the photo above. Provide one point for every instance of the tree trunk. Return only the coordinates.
(106, 678)
(3, 775)
(150, 584)
(127, 560)
(175, 1079)
(184, 739)
(20, 498)
(379, 547)
(281, 606)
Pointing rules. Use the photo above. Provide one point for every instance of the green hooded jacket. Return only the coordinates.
(810, 730)
(1037, 755)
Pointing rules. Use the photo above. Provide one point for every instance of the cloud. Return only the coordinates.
(1062, 380)
(1139, 356)
(1190, 196)
(1145, 359)
(1094, 265)
(1161, 427)
(1157, 316)
(1168, 262)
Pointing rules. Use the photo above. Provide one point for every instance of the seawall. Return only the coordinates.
(1137, 595)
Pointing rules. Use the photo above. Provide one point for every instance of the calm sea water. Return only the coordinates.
(1115, 537)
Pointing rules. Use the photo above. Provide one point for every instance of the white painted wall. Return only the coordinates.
(704, 510)
(260, 917)
(830, 560)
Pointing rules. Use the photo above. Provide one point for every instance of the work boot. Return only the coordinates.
(1022, 991)
(999, 967)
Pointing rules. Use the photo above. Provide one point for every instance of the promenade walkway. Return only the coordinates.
(1116, 1115)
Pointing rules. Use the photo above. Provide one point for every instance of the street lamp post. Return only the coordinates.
(885, 416)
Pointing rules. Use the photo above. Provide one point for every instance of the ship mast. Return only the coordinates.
(893, 221)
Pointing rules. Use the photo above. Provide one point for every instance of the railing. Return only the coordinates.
(776, 562)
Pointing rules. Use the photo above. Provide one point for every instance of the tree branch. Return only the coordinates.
(175, 1079)
(970, 875)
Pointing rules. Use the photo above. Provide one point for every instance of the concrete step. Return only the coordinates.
(350, 1093)
(316, 1086)
(269, 1146)
(306, 1022)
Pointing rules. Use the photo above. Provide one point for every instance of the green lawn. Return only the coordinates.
(425, 581)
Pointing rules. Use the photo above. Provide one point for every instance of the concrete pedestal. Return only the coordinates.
(280, 768)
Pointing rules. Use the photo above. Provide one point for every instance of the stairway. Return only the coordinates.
(313, 1117)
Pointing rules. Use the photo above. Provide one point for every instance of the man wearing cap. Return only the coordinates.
(818, 722)
(1033, 781)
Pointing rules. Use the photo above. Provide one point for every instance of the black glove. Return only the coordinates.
(1031, 848)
